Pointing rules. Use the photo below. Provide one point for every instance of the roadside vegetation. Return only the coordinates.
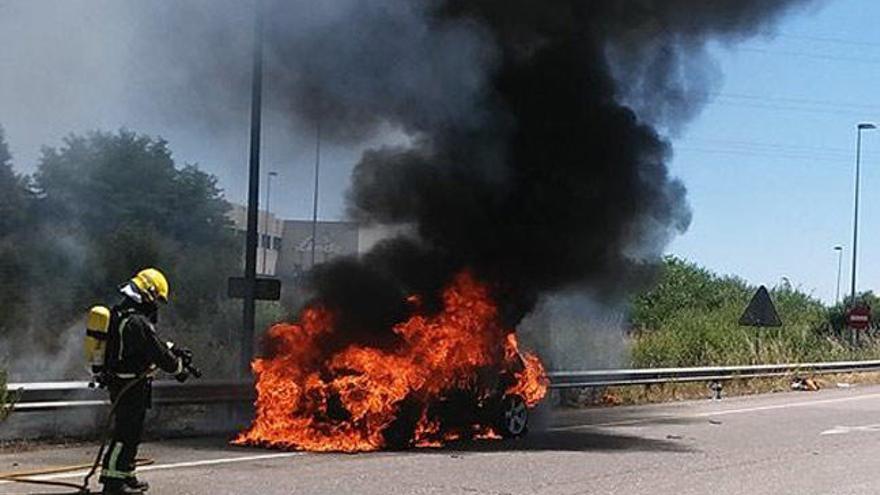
(6, 399)
(691, 318)
(97, 208)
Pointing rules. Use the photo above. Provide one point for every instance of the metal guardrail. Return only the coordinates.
(47, 396)
(608, 378)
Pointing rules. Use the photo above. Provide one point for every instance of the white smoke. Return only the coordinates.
(571, 331)
(65, 360)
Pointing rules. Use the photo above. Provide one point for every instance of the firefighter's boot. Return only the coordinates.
(137, 484)
(119, 487)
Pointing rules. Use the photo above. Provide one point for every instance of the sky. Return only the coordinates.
(769, 163)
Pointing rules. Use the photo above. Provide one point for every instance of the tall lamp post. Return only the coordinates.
(250, 258)
(839, 250)
(859, 128)
(267, 239)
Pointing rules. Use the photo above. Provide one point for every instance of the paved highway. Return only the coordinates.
(824, 442)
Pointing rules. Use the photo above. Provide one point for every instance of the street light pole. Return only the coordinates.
(266, 237)
(859, 128)
(839, 250)
(250, 258)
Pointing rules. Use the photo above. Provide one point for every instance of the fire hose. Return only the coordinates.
(27, 476)
(83, 488)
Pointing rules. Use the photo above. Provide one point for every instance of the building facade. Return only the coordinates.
(270, 239)
(285, 246)
(331, 240)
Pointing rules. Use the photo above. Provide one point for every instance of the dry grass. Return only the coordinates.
(671, 392)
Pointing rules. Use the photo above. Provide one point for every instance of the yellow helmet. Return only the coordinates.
(152, 285)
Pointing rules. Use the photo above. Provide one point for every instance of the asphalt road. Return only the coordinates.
(824, 442)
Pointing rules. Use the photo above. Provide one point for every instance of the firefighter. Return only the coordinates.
(133, 353)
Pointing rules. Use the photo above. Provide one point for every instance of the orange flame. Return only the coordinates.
(363, 398)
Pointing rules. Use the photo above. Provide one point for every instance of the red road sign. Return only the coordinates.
(859, 317)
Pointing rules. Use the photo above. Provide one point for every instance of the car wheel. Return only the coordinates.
(514, 420)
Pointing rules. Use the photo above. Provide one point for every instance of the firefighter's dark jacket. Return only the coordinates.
(133, 346)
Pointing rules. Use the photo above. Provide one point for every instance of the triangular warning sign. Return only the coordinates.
(760, 312)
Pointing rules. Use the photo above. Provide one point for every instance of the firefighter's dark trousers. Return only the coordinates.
(128, 425)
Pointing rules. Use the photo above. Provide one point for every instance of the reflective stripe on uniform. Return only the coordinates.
(114, 474)
(179, 369)
(112, 470)
(121, 337)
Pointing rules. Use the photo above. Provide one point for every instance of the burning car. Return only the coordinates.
(453, 375)
(486, 409)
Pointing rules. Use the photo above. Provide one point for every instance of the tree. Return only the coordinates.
(684, 285)
(14, 208)
(13, 192)
(100, 207)
(109, 204)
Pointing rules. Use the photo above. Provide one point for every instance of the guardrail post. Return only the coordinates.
(716, 387)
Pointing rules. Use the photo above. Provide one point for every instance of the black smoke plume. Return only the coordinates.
(535, 153)
(535, 159)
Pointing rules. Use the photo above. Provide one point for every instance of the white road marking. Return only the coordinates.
(843, 430)
(723, 412)
(174, 465)
(211, 462)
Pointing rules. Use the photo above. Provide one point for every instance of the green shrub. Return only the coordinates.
(691, 319)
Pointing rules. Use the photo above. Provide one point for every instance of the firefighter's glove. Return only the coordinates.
(182, 376)
(184, 354)
(186, 358)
